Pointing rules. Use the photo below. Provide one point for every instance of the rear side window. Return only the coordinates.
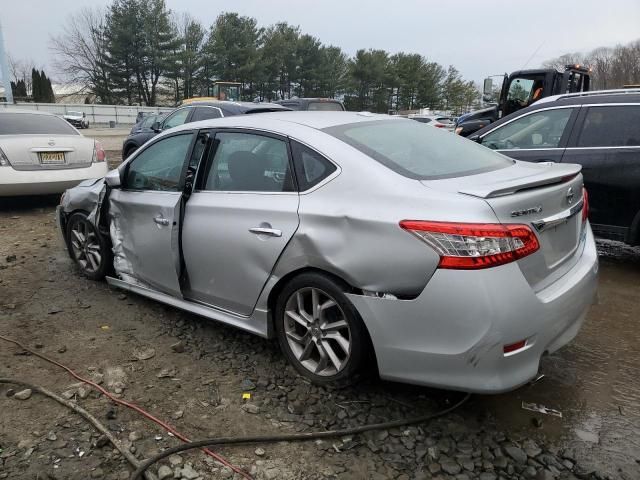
(326, 106)
(34, 124)
(205, 113)
(311, 167)
(418, 151)
(614, 126)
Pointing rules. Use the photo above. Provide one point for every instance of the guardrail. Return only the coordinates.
(96, 114)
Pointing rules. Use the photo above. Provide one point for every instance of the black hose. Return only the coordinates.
(295, 437)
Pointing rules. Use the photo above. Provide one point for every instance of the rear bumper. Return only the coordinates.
(453, 334)
(44, 182)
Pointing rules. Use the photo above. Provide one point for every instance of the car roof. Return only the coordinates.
(237, 107)
(308, 100)
(279, 120)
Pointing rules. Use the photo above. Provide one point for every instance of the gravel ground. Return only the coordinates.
(193, 374)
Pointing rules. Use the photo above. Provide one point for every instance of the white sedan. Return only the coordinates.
(42, 154)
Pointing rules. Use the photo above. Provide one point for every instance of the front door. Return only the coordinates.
(146, 214)
(238, 220)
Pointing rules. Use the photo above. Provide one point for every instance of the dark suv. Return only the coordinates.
(322, 104)
(599, 130)
(194, 112)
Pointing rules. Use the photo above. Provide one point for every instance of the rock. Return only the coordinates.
(251, 408)
(167, 372)
(97, 473)
(53, 309)
(177, 415)
(52, 437)
(69, 394)
(23, 394)
(175, 460)
(247, 385)
(272, 473)
(531, 448)
(144, 353)
(164, 472)
(10, 258)
(102, 441)
(450, 467)
(545, 475)
(134, 436)
(187, 472)
(516, 453)
(83, 392)
(487, 476)
(226, 472)
(178, 347)
(434, 467)
(259, 452)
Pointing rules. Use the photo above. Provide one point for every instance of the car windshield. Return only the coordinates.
(418, 151)
(326, 106)
(34, 124)
(74, 114)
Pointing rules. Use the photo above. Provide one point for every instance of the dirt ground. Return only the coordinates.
(195, 372)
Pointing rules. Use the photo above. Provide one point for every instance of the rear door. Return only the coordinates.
(536, 136)
(606, 142)
(239, 219)
(146, 213)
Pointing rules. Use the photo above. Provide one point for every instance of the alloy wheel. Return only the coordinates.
(86, 246)
(317, 331)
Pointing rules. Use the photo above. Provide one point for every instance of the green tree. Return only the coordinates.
(333, 72)
(279, 61)
(370, 77)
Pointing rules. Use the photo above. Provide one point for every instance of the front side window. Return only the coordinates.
(176, 118)
(311, 167)
(245, 162)
(159, 166)
(418, 151)
(614, 126)
(520, 90)
(543, 129)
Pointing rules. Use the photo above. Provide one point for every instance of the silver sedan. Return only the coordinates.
(364, 243)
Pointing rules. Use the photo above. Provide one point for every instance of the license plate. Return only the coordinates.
(51, 158)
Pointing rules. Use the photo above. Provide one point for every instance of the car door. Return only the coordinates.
(146, 212)
(606, 142)
(238, 220)
(536, 136)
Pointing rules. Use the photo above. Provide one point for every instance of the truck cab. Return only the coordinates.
(522, 88)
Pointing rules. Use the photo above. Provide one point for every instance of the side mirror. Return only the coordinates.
(487, 88)
(113, 178)
(156, 127)
(475, 138)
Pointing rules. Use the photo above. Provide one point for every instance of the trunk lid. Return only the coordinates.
(47, 152)
(545, 196)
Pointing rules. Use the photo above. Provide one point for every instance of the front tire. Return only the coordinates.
(320, 331)
(88, 249)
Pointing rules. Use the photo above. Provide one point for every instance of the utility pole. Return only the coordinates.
(4, 66)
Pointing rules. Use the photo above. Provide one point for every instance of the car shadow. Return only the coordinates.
(23, 203)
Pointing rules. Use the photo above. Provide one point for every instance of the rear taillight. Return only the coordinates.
(99, 154)
(439, 125)
(4, 161)
(471, 246)
(585, 205)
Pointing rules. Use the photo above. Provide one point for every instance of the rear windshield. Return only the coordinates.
(34, 124)
(418, 151)
(326, 106)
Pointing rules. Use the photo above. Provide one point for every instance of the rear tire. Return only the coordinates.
(320, 331)
(88, 248)
(129, 151)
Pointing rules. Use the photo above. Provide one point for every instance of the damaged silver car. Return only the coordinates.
(363, 243)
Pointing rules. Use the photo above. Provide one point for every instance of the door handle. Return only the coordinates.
(266, 231)
(161, 221)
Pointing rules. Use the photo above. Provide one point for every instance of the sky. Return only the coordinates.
(480, 38)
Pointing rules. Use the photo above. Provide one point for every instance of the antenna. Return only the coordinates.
(533, 54)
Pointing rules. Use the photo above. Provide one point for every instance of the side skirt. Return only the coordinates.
(256, 323)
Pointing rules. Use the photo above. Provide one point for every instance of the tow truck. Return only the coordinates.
(520, 89)
(217, 91)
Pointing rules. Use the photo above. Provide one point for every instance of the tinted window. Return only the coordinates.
(34, 124)
(176, 118)
(421, 119)
(205, 113)
(418, 151)
(538, 130)
(159, 166)
(325, 106)
(148, 121)
(245, 162)
(311, 167)
(615, 126)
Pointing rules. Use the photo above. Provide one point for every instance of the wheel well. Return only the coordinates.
(633, 237)
(129, 149)
(347, 288)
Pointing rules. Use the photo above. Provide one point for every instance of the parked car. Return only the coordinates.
(599, 130)
(146, 124)
(437, 121)
(322, 104)
(355, 239)
(194, 112)
(77, 119)
(40, 153)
